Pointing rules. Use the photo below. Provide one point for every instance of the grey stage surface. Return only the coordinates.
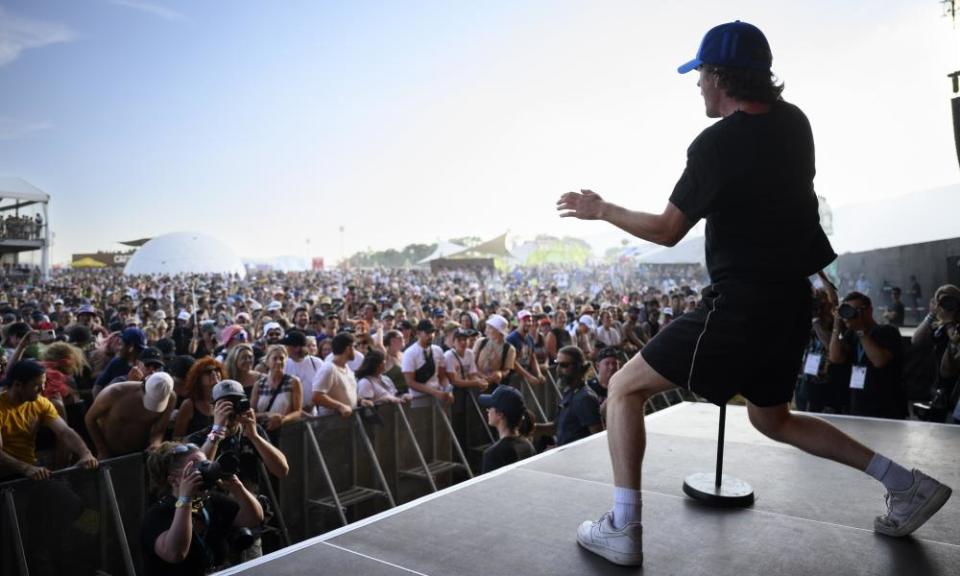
(811, 516)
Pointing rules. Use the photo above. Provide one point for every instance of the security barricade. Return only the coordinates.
(76, 522)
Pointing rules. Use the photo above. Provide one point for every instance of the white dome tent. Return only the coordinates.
(184, 253)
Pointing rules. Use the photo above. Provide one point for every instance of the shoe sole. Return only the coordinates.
(619, 558)
(927, 510)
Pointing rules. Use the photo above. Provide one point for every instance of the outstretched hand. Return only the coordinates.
(585, 205)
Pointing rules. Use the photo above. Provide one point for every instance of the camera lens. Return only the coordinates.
(848, 312)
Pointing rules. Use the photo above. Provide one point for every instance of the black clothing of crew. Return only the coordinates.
(882, 395)
(751, 177)
(209, 546)
(579, 410)
(506, 451)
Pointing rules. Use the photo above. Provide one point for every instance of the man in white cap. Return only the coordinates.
(129, 417)
(495, 356)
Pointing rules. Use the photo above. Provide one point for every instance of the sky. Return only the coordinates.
(271, 125)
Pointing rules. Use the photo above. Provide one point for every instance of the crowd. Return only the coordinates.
(204, 372)
(15, 227)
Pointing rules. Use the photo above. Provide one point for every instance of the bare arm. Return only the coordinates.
(183, 419)
(99, 409)
(296, 401)
(838, 351)
(160, 426)
(665, 229)
(72, 441)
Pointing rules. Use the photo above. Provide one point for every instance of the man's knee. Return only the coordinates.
(771, 422)
(622, 386)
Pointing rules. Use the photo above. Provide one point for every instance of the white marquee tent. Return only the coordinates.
(184, 253)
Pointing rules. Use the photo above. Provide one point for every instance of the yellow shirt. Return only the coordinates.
(18, 426)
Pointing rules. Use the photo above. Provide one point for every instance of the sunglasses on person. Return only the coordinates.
(949, 303)
(564, 365)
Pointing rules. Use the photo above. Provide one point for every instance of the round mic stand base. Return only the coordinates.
(718, 489)
(731, 493)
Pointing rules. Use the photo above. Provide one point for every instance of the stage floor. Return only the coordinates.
(811, 516)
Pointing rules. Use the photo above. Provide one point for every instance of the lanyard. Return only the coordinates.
(860, 353)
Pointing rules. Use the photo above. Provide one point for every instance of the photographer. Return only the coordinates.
(874, 355)
(191, 533)
(236, 437)
(939, 334)
(235, 430)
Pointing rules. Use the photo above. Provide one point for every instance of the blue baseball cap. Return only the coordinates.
(134, 337)
(506, 399)
(735, 45)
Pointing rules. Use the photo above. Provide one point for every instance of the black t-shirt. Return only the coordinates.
(208, 548)
(751, 177)
(506, 451)
(579, 410)
(599, 390)
(242, 447)
(883, 395)
(117, 368)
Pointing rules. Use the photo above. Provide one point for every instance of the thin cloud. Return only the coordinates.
(152, 9)
(18, 34)
(14, 129)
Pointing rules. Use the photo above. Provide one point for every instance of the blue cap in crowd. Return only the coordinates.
(134, 337)
(506, 399)
(734, 45)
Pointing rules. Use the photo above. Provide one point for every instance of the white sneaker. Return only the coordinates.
(908, 509)
(623, 547)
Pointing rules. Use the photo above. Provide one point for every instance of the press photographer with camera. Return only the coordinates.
(873, 353)
(939, 333)
(191, 528)
(235, 431)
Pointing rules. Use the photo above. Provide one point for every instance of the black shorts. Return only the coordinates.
(743, 339)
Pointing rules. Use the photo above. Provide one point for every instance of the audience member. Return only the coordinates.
(130, 417)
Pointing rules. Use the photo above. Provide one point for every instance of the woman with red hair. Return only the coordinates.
(196, 412)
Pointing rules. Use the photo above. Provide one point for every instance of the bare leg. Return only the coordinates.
(810, 434)
(630, 388)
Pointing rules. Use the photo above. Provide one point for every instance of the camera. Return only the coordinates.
(240, 405)
(848, 312)
(212, 471)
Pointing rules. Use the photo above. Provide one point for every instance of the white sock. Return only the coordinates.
(895, 477)
(627, 506)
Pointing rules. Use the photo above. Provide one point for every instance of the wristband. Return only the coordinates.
(217, 428)
(183, 501)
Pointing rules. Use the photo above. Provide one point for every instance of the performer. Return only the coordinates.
(750, 175)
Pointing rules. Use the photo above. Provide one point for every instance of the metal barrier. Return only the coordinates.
(89, 522)
(60, 525)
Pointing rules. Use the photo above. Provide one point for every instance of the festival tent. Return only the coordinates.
(184, 253)
(689, 251)
(87, 262)
(443, 250)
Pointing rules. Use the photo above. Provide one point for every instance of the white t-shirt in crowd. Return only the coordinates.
(454, 362)
(353, 364)
(337, 383)
(609, 337)
(414, 358)
(306, 369)
(376, 388)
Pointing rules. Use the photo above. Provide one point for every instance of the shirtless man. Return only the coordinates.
(130, 417)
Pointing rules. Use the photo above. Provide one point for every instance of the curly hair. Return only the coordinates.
(60, 351)
(192, 381)
(747, 85)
